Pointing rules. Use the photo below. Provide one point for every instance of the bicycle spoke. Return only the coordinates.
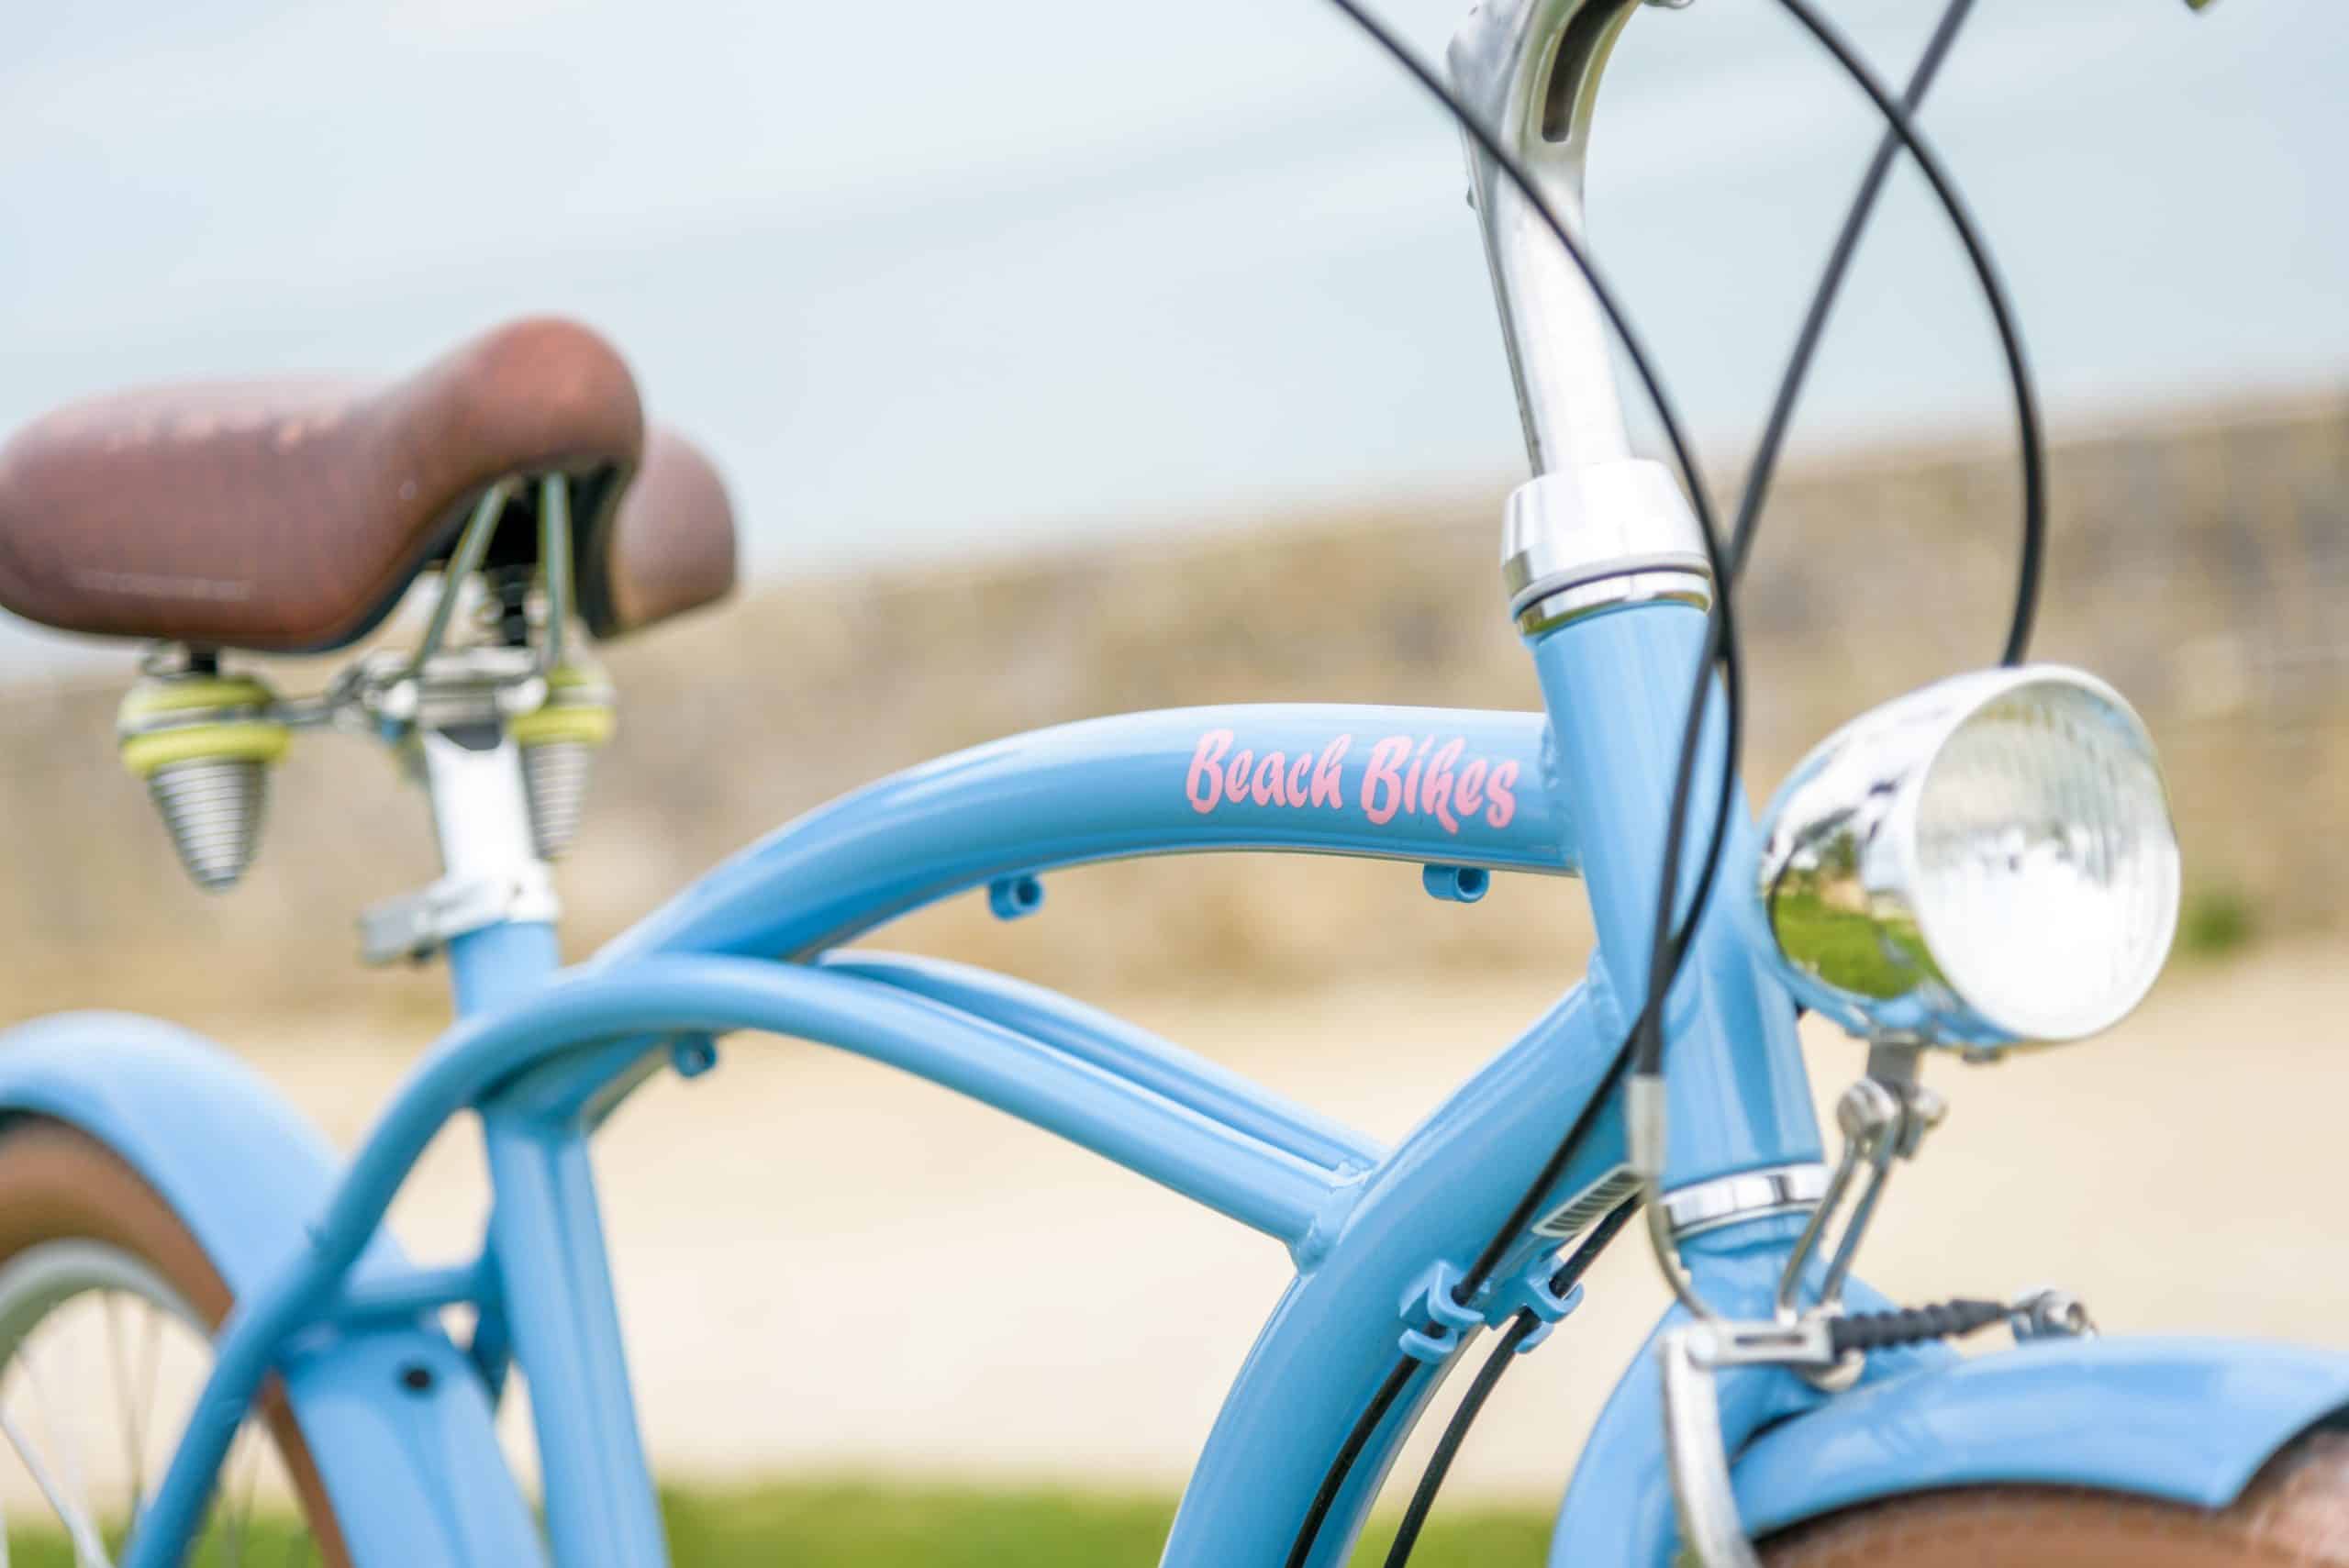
(110, 1312)
(150, 1370)
(7, 1365)
(240, 1517)
(60, 1343)
(127, 1402)
(88, 1551)
(57, 1422)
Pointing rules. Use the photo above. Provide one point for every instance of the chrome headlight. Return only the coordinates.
(1987, 861)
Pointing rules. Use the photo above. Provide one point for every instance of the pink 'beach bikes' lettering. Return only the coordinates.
(1402, 775)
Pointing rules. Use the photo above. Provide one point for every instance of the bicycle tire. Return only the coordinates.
(2295, 1512)
(58, 1183)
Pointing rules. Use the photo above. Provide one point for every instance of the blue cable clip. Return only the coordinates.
(1429, 1300)
(1433, 1298)
(1530, 1292)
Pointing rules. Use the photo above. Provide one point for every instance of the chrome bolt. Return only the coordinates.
(1867, 1111)
(2050, 1314)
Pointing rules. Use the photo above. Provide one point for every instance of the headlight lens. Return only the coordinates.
(1986, 861)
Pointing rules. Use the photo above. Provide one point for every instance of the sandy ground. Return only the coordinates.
(828, 1266)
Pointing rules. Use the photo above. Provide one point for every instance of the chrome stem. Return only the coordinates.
(1530, 70)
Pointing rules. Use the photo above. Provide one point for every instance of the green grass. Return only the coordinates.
(878, 1525)
(945, 1527)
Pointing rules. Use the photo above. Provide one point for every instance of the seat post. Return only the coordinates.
(497, 734)
(493, 909)
(473, 776)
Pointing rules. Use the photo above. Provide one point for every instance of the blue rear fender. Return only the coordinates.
(415, 1477)
(2185, 1420)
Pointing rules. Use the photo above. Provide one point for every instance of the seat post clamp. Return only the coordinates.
(416, 925)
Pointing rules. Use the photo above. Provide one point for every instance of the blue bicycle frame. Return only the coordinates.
(541, 1055)
(397, 1419)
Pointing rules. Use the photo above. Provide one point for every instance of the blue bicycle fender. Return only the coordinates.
(2185, 1420)
(414, 1476)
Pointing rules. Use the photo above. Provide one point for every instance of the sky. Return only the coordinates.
(936, 279)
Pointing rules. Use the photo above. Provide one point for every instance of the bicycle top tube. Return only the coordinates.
(1440, 787)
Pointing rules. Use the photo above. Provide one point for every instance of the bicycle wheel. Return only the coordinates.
(2295, 1511)
(107, 1309)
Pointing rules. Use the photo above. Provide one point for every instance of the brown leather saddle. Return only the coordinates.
(290, 517)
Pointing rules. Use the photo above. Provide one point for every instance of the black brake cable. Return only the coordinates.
(2029, 437)
(1755, 494)
(1721, 649)
(1649, 1033)
(1664, 963)
(1488, 1377)
(1764, 467)
(1644, 1041)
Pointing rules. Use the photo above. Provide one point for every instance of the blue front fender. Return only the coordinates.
(414, 1477)
(2185, 1420)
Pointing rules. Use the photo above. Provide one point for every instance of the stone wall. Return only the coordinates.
(2201, 563)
